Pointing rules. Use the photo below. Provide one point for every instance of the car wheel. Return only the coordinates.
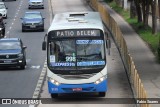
(23, 29)
(54, 95)
(22, 66)
(6, 17)
(42, 30)
(24, 61)
(102, 94)
(1, 36)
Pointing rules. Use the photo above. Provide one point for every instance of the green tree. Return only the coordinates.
(138, 10)
(132, 9)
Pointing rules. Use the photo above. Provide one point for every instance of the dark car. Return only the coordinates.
(12, 53)
(32, 21)
(2, 26)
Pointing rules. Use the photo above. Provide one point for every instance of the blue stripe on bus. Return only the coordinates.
(68, 88)
(89, 63)
(83, 63)
(89, 41)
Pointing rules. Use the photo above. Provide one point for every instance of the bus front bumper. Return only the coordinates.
(75, 88)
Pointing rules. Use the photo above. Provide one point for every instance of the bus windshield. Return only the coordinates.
(66, 54)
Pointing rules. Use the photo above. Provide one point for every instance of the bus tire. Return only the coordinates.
(6, 17)
(102, 94)
(54, 95)
(42, 30)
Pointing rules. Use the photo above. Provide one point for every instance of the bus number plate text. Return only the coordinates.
(77, 89)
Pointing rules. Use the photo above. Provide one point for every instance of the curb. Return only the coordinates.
(42, 78)
(40, 83)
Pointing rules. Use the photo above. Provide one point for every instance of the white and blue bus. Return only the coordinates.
(76, 54)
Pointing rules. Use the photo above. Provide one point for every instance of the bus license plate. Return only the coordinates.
(77, 89)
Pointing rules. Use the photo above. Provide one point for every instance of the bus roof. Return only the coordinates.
(76, 20)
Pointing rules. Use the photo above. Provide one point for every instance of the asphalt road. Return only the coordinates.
(119, 86)
(16, 83)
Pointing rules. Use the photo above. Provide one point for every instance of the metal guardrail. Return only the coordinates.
(136, 83)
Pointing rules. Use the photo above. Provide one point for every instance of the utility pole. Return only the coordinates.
(158, 50)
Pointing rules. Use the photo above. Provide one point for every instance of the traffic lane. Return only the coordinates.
(13, 7)
(21, 83)
(118, 89)
(118, 84)
(69, 6)
(17, 83)
(33, 39)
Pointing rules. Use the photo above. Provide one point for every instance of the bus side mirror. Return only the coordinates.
(108, 45)
(44, 45)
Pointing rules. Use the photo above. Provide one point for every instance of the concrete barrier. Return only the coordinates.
(136, 83)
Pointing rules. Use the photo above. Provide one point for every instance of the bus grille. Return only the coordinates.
(75, 77)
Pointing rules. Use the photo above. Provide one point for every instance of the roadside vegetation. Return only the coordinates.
(145, 32)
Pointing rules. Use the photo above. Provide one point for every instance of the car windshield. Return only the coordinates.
(32, 15)
(9, 45)
(76, 54)
(2, 6)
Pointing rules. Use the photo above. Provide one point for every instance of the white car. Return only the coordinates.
(35, 4)
(3, 10)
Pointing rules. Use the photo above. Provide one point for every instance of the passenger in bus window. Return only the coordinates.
(52, 48)
(61, 55)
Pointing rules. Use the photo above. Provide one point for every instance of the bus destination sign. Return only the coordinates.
(74, 33)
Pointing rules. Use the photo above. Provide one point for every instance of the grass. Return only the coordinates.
(144, 33)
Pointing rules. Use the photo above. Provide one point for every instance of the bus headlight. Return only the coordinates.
(54, 81)
(99, 80)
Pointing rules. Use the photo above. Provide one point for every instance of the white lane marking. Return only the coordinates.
(16, 14)
(35, 67)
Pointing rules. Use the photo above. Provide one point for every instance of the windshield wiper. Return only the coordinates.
(87, 57)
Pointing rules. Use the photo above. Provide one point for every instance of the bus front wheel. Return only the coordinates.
(102, 94)
(54, 95)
